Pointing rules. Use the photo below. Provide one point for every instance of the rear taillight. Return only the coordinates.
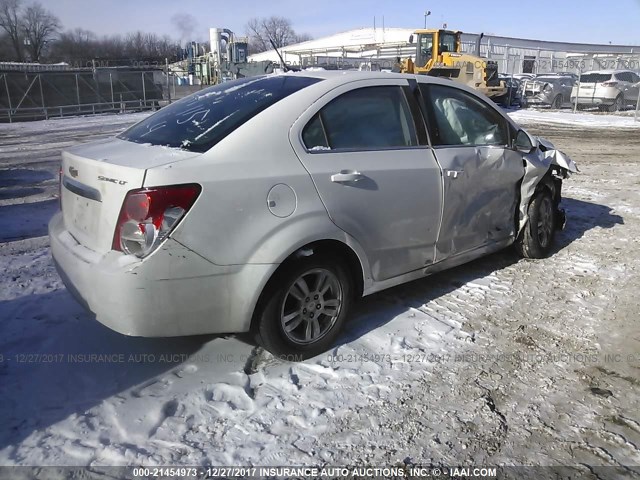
(609, 84)
(149, 214)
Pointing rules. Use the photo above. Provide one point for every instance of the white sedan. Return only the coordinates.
(269, 204)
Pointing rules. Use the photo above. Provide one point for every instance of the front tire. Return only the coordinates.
(557, 102)
(305, 308)
(537, 237)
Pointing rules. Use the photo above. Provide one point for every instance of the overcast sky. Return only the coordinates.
(580, 21)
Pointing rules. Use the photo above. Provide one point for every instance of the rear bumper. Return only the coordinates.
(593, 100)
(172, 292)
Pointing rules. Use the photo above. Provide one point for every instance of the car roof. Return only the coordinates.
(349, 74)
(336, 78)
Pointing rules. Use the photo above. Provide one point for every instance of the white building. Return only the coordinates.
(514, 55)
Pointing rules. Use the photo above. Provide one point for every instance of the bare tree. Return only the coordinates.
(39, 26)
(263, 31)
(79, 47)
(6, 48)
(10, 22)
(74, 47)
(303, 37)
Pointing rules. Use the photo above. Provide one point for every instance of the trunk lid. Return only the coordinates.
(95, 180)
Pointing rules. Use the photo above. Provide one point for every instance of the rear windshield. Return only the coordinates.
(199, 121)
(595, 78)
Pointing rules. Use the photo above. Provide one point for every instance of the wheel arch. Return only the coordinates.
(341, 250)
(550, 183)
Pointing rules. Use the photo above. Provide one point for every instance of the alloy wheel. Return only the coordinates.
(311, 306)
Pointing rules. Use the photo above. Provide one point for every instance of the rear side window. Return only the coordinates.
(198, 122)
(363, 119)
(595, 78)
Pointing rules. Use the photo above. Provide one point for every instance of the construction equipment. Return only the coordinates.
(439, 54)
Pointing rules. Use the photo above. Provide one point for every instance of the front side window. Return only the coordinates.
(368, 118)
(199, 121)
(458, 118)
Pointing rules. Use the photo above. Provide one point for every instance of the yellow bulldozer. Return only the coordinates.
(439, 54)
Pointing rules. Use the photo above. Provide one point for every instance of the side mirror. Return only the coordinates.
(411, 38)
(524, 143)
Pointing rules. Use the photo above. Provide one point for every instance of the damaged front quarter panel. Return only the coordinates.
(543, 164)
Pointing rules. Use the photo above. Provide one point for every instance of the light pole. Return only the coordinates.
(426, 14)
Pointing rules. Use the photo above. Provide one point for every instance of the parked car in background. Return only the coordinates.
(549, 90)
(611, 90)
(269, 204)
(513, 95)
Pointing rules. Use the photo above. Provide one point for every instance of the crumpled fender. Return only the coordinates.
(537, 164)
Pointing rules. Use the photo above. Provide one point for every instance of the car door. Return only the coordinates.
(365, 147)
(566, 86)
(481, 172)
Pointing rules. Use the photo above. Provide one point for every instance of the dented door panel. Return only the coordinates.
(480, 186)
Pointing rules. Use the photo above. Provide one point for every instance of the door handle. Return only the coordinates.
(454, 173)
(346, 176)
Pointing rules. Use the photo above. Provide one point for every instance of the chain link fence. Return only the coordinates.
(36, 95)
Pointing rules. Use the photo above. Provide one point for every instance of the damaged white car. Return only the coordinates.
(269, 204)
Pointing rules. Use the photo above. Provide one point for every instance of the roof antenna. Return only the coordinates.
(285, 67)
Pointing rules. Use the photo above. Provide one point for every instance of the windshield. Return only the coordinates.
(201, 120)
(595, 77)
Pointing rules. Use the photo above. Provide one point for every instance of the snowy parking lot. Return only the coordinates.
(499, 361)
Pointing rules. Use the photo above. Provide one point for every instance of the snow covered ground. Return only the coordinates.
(567, 117)
(500, 361)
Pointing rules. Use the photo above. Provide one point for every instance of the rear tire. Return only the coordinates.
(557, 102)
(305, 307)
(536, 239)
